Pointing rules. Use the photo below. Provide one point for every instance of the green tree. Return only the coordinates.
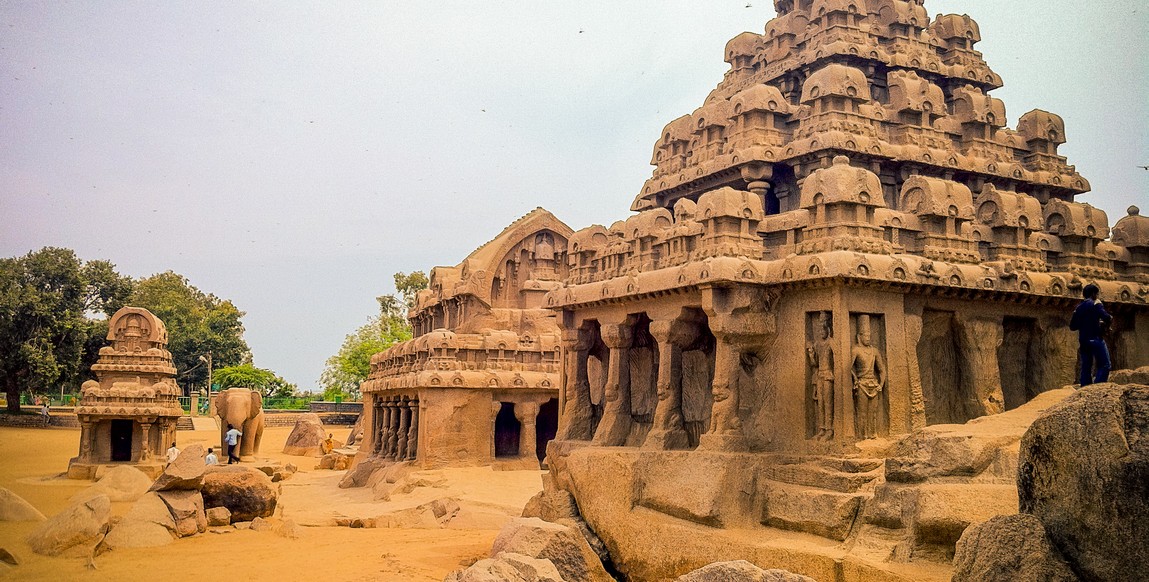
(351, 365)
(248, 376)
(197, 323)
(46, 298)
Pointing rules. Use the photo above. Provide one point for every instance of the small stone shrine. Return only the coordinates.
(128, 415)
(479, 381)
(844, 244)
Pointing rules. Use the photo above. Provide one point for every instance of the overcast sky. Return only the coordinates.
(291, 156)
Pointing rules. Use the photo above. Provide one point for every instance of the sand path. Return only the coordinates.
(32, 462)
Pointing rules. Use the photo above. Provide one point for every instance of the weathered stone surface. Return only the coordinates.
(817, 511)
(306, 439)
(964, 450)
(14, 508)
(1084, 472)
(740, 571)
(563, 546)
(185, 473)
(358, 476)
(122, 483)
(335, 462)
(944, 511)
(288, 529)
(151, 508)
(245, 492)
(260, 524)
(1009, 548)
(691, 486)
(218, 516)
(1136, 376)
(187, 511)
(81, 525)
(551, 504)
(508, 567)
(129, 533)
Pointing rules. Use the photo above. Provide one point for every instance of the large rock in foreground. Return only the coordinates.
(147, 524)
(562, 545)
(508, 567)
(740, 571)
(306, 439)
(81, 525)
(14, 508)
(247, 493)
(123, 483)
(1012, 548)
(1084, 472)
(183, 474)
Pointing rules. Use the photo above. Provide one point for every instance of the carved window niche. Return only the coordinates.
(820, 375)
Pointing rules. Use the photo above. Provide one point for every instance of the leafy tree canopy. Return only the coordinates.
(248, 376)
(197, 323)
(46, 298)
(349, 367)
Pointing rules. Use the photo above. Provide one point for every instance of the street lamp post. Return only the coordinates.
(211, 401)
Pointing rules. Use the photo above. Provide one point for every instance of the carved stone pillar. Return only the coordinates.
(577, 422)
(376, 424)
(669, 431)
(392, 429)
(404, 422)
(725, 432)
(496, 407)
(146, 444)
(86, 441)
(413, 430)
(527, 413)
(616, 419)
(979, 340)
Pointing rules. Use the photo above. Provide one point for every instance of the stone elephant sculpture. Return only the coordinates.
(243, 409)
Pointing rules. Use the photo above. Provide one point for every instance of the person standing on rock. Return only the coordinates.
(172, 453)
(210, 459)
(232, 439)
(1090, 320)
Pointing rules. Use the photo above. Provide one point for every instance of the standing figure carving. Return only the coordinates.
(868, 372)
(820, 354)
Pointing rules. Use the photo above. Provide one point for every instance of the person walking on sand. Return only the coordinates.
(210, 459)
(232, 439)
(1090, 320)
(172, 453)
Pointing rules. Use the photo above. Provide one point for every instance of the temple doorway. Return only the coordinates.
(507, 430)
(121, 439)
(546, 426)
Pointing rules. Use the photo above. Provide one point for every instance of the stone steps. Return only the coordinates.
(840, 475)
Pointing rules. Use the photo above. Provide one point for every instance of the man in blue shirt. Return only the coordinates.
(1090, 320)
(232, 439)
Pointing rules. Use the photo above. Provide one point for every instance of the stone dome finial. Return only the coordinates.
(1134, 211)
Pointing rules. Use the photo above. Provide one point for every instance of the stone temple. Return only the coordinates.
(478, 383)
(128, 415)
(845, 243)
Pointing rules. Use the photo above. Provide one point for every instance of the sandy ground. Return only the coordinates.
(32, 462)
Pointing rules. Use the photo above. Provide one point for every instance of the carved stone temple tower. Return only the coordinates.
(479, 381)
(128, 415)
(844, 243)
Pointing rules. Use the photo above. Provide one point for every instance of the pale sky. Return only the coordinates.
(290, 156)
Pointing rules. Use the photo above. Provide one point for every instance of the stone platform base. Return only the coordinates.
(93, 471)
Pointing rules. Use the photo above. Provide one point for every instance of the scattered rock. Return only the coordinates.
(8, 557)
(551, 504)
(183, 474)
(1012, 548)
(283, 473)
(81, 525)
(335, 461)
(242, 525)
(187, 510)
(123, 483)
(562, 545)
(1084, 472)
(260, 524)
(149, 523)
(508, 567)
(221, 530)
(358, 476)
(306, 439)
(740, 571)
(1138, 376)
(14, 508)
(245, 492)
(218, 516)
(288, 529)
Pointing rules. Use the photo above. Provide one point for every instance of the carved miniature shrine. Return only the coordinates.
(479, 381)
(128, 415)
(844, 244)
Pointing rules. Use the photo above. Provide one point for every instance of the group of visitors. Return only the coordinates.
(231, 437)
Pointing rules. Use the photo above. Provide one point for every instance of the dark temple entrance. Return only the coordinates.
(507, 429)
(122, 440)
(546, 426)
